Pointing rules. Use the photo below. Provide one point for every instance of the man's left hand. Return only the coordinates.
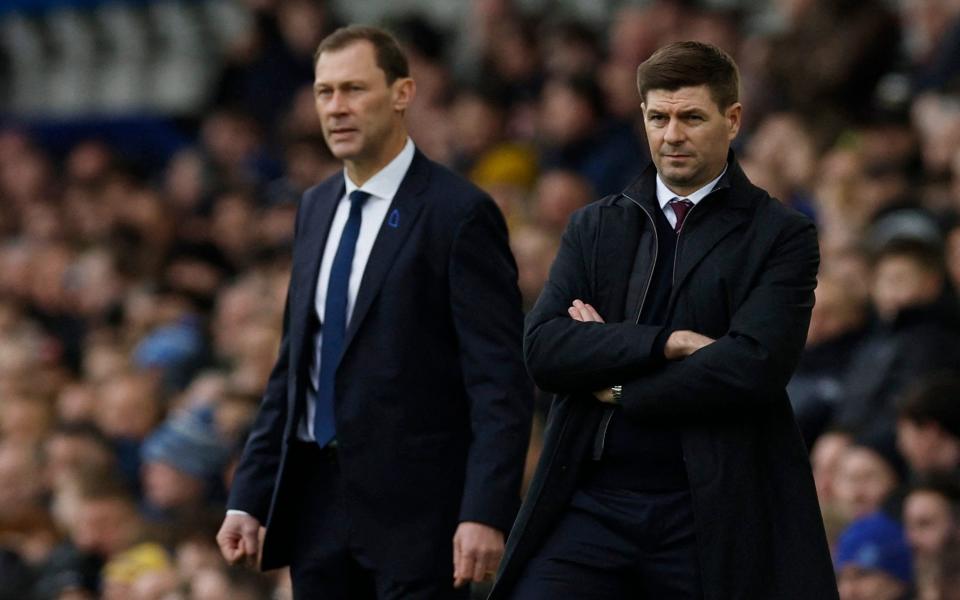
(583, 312)
(477, 550)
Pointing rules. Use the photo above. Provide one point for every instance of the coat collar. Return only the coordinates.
(643, 189)
(721, 212)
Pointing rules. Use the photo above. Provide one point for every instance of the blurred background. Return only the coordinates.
(152, 154)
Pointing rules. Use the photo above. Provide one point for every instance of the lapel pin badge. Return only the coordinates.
(394, 219)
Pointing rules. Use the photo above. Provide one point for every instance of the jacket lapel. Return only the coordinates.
(307, 256)
(396, 228)
(720, 214)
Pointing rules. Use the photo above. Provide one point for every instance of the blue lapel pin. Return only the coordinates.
(394, 219)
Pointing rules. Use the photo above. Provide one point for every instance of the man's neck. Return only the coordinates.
(688, 190)
(360, 171)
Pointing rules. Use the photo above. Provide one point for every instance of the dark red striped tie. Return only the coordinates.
(681, 206)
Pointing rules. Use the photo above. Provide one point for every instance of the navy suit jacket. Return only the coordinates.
(433, 404)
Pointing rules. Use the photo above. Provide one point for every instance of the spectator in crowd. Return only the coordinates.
(931, 517)
(873, 560)
(826, 457)
(836, 329)
(534, 248)
(868, 472)
(578, 135)
(837, 87)
(182, 462)
(915, 334)
(479, 143)
(928, 426)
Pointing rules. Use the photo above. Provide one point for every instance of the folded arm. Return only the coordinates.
(566, 355)
(756, 357)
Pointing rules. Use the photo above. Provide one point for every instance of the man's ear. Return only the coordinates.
(404, 91)
(732, 115)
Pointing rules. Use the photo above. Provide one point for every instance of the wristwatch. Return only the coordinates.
(617, 393)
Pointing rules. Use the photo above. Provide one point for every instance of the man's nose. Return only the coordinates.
(674, 134)
(336, 104)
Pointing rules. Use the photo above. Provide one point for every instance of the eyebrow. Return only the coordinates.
(325, 84)
(687, 112)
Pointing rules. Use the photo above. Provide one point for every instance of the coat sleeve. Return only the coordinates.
(754, 360)
(485, 306)
(566, 356)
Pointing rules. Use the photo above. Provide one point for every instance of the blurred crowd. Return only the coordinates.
(141, 303)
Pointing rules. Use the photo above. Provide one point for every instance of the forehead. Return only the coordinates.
(926, 502)
(684, 98)
(356, 60)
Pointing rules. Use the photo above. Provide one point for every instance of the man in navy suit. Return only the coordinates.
(391, 436)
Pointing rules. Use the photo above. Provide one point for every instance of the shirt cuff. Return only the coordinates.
(660, 343)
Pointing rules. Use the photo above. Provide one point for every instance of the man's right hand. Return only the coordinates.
(239, 539)
(683, 343)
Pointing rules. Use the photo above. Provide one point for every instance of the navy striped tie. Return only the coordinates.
(334, 326)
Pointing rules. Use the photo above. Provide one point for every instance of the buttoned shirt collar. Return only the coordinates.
(385, 183)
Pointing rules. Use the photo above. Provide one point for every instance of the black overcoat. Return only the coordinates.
(745, 272)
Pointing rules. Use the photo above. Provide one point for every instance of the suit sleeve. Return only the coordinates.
(485, 306)
(566, 356)
(256, 473)
(754, 360)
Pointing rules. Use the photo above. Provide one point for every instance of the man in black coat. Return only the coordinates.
(672, 320)
(390, 439)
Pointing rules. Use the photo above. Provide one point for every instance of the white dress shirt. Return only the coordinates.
(382, 187)
(665, 195)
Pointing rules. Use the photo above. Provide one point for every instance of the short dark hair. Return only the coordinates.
(935, 399)
(691, 64)
(941, 484)
(390, 58)
(924, 254)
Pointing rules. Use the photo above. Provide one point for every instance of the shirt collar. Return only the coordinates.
(385, 183)
(665, 194)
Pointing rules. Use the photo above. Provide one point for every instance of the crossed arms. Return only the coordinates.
(569, 349)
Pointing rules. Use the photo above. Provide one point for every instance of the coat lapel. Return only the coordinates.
(720, 214)
(396, 228)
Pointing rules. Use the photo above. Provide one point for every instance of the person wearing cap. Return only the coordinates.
(181, 462)
(873, 560)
